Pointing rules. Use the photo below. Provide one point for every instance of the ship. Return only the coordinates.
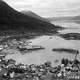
(30, 48)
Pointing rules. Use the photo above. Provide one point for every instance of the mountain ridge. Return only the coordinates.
(12, 18)
(32, 14)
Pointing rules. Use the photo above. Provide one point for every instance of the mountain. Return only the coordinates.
(76, 19)
(12, 19)
(34, 15)
(59, 18)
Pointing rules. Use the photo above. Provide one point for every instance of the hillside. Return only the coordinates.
(12, 19)
(34, 15)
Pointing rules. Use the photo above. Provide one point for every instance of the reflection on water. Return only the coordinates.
(39, 57)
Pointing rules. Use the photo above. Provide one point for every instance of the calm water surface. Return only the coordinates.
(39, 57)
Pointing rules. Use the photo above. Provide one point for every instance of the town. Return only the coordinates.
(68, 70)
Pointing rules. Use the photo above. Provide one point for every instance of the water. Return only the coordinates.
(39, 57)
(68, 24)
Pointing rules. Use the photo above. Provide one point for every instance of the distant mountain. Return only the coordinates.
(34, 15)
(12, 19)
(75, 19)
(59, 18)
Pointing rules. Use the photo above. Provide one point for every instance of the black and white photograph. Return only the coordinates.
(39, 39)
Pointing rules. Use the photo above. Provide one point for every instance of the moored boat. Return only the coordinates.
(30, 48)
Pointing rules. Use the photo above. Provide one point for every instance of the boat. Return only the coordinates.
(35, 48)
(30, 48)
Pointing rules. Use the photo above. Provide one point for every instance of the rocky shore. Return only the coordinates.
(70, 36)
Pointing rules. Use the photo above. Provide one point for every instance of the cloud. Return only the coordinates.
(47, 7)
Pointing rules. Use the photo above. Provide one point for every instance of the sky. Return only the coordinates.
(48, 8)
